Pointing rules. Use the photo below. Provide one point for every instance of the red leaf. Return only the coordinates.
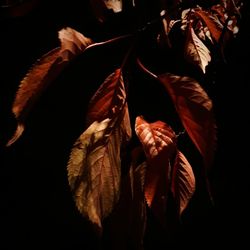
(108, 99)
(158, 141)
(213, 27)
(195, 110)
(183, 182)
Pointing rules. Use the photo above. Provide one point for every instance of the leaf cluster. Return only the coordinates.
(118, 151)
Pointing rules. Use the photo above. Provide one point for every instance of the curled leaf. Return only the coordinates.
(17, 134)
(43, 73)
(72, 43)
(183, 182)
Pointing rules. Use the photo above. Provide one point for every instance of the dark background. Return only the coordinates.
(37, 210)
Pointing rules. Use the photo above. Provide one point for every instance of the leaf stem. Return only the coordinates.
(145, 69)
(115, 39)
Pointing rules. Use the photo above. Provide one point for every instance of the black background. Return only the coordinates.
(37, 210)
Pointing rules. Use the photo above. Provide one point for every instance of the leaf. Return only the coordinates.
(185, 16)
(108, 99)
(37, 79)
(195, 51)
(183, 182)
(195, 110)
(154, 137)
(43, 73)
(72, 43)
(115, 5)
(94, 172)
(158, 141)
(213, 27)
(34, 81)
(202, 31)
(94, 167)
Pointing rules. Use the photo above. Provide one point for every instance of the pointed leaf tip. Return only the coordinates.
(17, 134)
(196, 52)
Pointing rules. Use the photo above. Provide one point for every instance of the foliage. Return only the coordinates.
(110, 156)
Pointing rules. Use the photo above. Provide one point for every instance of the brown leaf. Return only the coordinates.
(183, 182)
(213, 27)
(94, 167)
(158, 141)
(43, 73)
(33, 81)
(195, 110)
(196, 52)
(31, 87)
